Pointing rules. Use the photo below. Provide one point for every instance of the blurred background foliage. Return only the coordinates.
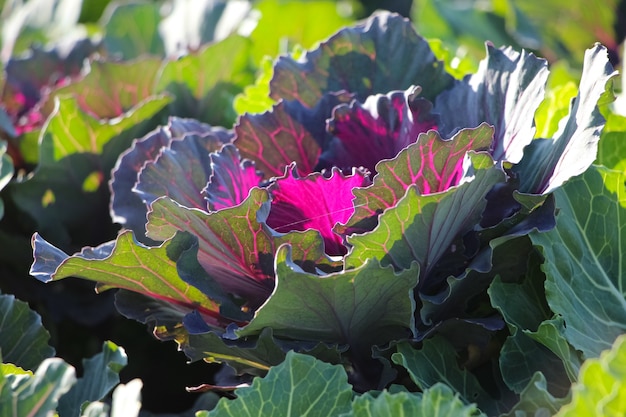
(120, 69)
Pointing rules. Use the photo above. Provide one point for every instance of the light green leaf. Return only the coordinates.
(601, 387)
(205, 82)
(585, 275)
(363, 306)
(294, 29)
(23, 339)
(612, 146)
(437, 401)
(36, 395)
(301, 386)
(101, 374)
(256, 98)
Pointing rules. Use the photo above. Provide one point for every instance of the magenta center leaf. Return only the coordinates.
(314, 202)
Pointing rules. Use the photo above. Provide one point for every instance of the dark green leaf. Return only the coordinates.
(99, 377)
(436, 362)
(363, 306)
(585, 275)
(132, 30)
(23, 339)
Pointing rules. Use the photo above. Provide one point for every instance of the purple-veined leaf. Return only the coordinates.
(382, 54)
(275, 139)
(432, 164)
(314, 202)
(231, 178)
(505, 92)
(236, 248)
(314, 119)
(127, 208)
(111, 88)
(377, 129)
(549, 163)
(422, 227)
(362, 306)
(125, 264)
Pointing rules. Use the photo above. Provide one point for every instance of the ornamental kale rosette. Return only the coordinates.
(372, 210)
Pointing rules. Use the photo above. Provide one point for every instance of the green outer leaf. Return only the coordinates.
(76, 147)
(37, 395)
(429, 163)
(294, 28)
(112, 88)
(23, 339)
(421, 228)
(525, 309)
(521, 358)
(535, 400)
(436, 362)
(132, 30)
(612, 146)
(6, 171)
(146, 270)
(585, 276)
(601, 390)
(204, 83)
(101, 374)
(364, 306)
(437, 401)
(299, 387)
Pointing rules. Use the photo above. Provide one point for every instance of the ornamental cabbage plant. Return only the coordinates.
(384, 226)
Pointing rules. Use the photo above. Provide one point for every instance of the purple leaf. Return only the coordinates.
(381, 54)
(231, 178)
(505, 92)
(432, 164)
(314, 202)
(180, 171)
(127, 208)
(377, 129)
(274, 139)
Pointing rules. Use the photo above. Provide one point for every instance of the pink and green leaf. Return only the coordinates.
(235, 247)
(431, 164)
